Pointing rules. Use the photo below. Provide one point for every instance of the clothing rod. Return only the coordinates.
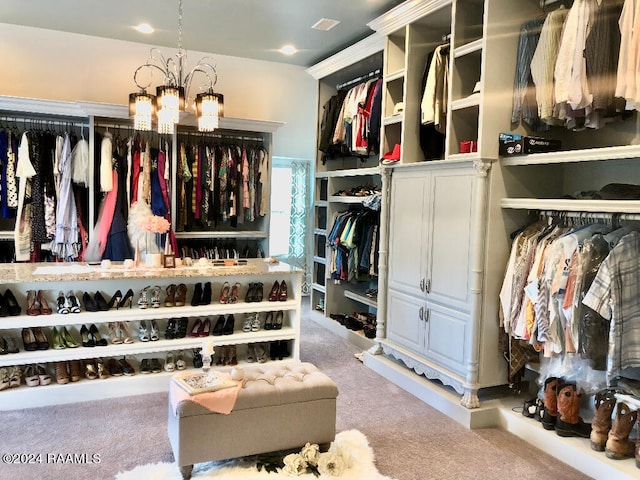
(358, 79)
(41, 121)
(589, 215)
(221, 136)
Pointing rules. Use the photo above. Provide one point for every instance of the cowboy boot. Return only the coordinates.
(569, 423)
(604, 402)
(618, 444)
(550, 412)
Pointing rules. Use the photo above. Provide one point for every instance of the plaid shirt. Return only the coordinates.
(615, 294)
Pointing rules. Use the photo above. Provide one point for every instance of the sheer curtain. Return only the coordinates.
(291, 214)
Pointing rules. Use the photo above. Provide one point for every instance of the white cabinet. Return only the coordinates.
(23, 277)
(430, 253)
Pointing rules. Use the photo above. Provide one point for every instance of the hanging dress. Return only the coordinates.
(65, 243)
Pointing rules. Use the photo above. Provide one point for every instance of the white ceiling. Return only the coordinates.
(243, 28)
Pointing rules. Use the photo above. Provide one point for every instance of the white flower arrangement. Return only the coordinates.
(309, 460)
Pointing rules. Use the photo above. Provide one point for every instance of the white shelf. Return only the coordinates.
(351, 172)
(143, 348)
(6, 235)
(472, 100)
(321, 260)
(320, 231)
(569, 156)
(359, 297)
(321, 203)
(595, 206)
(348, 199)
(393, 119)
(225, 234)
(318, 288)
(468, 48)
(397, 75)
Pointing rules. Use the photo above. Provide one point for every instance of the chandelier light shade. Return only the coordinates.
(209, 108)
(142, 109)
(164, 109)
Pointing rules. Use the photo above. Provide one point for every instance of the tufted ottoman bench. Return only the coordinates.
(279, 407)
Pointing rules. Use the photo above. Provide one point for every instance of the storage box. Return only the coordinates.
(514, 144)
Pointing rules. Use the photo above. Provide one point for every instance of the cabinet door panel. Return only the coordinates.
(404, 325)
(446, 338)
(451, 204)
(406, 232)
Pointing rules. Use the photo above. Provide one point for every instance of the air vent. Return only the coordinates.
(325, 24)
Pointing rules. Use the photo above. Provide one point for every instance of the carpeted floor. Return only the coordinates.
(410, 439)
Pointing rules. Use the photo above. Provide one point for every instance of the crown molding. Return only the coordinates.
(40, 107)
(404, 14)
(364, 48)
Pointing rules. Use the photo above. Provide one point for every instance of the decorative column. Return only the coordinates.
(470, 396)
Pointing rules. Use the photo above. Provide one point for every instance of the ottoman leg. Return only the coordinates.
(186, 470)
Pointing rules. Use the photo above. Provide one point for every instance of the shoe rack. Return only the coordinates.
(80, 278)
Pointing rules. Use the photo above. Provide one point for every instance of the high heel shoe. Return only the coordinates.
(101, 303)
(73, 303)
(126, 367)
(180, 363)
(31, 376)
(75, 370)
(15, 377)
(43, 375)
(170, 299)
(127, 299)
(218, 328)
(14, 306)
(143, 331)
(41, 340)
(90, 371)
(126, 333)
(62, 373)
(154, 333)
(89, 303)
(97, 339)
(251, 293)
(115, 300)
(195, 329)
(114, 333)
(277, 323)
(205, 329)
(56, 339)
(155, 297)
(282, 292)
(33, 307)
(229, 325)
(181, 295)
(233, 296)
(273, 294)
(44, 305)
(102, 369)
(268, 321)
(170, 331)
(67, 339)
(181, 328)
(143, 301)
(62, 304)
(224, 292)
(28, 340)
(258, 293)
(86, 339)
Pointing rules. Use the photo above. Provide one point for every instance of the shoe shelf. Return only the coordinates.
(80, 278)
(361, 298)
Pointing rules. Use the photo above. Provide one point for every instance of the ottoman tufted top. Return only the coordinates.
(279, 384)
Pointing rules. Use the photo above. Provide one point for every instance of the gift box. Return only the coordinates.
(515, 144)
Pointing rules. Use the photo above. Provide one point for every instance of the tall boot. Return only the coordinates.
(604, 402)
(618, 444)
(569, 423)
(550, 411)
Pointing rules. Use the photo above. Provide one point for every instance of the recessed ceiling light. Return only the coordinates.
(325, 24)
(144, 28)
(288, 50)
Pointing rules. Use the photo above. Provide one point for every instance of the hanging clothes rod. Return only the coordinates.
(221, 136)
(589, 215)
(359, 79)
(40, 121)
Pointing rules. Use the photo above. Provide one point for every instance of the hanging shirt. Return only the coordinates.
(22, 231)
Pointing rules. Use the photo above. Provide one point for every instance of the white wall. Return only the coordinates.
(54, 65)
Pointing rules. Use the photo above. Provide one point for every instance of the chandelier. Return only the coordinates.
(170, 99)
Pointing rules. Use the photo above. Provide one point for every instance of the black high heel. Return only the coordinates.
(206, 294)
(127, 299)
(197, 295)
(229, 325)
(14, 306)
(115, 300)
(87, 341)
(277, 323)
(62, 304)
(95, 335)
(89, 303)
(101, 303)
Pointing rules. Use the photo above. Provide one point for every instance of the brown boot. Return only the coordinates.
(618, 444)
(604, 402)
(569, 423)
(550, 411)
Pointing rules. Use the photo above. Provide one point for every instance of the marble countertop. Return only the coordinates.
(78, 271)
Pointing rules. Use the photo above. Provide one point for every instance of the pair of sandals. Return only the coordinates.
(176, 295)
(37, 304)
(252, 323)
(149, 297)
(149, 332)
(35, 375)
(228, 293)
(68, 304)
(10, 377)
(174, 362)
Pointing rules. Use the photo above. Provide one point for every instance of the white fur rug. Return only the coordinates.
(351, 443)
